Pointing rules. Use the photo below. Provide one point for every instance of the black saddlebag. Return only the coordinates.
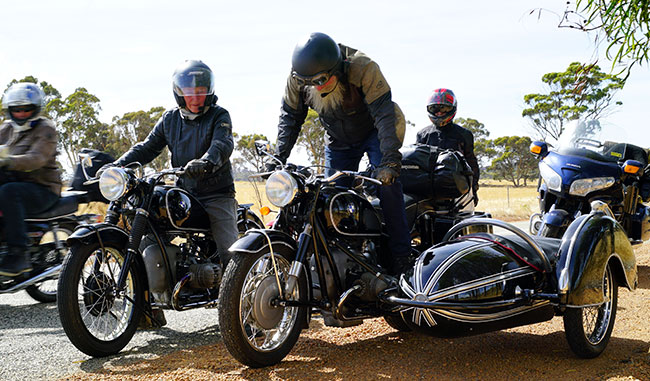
(98, 158)
(430, 172)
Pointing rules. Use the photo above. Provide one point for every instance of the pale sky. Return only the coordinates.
(490, 53)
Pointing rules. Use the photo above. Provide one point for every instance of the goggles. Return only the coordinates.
(26, 108)
(315, 80)
(438, 108)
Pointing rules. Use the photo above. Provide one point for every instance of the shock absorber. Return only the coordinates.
(138, 228)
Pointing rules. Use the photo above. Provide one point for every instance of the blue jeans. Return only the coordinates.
(391, 197)
(17, 200)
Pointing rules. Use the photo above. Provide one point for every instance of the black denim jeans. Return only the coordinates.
(17, 200)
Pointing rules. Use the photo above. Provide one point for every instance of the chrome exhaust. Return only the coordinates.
(51, 273)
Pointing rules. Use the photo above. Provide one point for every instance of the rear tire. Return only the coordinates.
(96, 320)
(589, 329)
(255, 332)
(397, 322)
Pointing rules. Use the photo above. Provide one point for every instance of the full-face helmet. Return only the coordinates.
(193, 77)
(441, 106)
(315, 59)
(23, 96)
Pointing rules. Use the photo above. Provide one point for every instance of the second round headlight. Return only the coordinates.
(113, 183)
(281, 188)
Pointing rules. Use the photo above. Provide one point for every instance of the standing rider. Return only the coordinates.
(354, 103)
(31, 180)
(443, 133)
(198, 134)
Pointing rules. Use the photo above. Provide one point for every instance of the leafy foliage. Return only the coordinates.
(312, 139)
(623, 25)
(582, 91)
(482, 148)
(134, 127)
(513, 161)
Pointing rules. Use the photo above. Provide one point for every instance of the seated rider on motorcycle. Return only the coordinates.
(30, 180)
(443, 133)
(198, 134)
(354, 103)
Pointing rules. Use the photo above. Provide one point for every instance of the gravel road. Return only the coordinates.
(33, 346)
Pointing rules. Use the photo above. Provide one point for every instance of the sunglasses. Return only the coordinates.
(315, 80)
(434, 109)
(22, 108)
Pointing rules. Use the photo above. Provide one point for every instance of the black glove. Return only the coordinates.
(197, 168)
(387, 174)
(270, 167)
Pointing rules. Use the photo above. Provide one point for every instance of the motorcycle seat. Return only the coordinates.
(550, 247)
(66, 205)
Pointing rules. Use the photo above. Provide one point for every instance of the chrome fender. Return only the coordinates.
(589, 244)
(256, 240)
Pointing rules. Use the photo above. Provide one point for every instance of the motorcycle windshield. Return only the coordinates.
(598, 141)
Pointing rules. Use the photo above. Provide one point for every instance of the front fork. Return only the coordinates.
(294, 272)
(138, 229)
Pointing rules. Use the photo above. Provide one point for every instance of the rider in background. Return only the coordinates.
(445, 134)
(354, 103)
(30, 180)
(198, 134)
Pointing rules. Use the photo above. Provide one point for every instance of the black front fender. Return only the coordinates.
(590, 243)
(88, 233)
(256, 240)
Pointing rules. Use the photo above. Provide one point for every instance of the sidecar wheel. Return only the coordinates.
(397, 322)
(255, 332)
(588, 329)
(98, 320)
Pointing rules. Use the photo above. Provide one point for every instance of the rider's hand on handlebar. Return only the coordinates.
(197, 168)
(387, 174)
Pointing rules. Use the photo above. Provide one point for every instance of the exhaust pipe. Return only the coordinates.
(53, 272)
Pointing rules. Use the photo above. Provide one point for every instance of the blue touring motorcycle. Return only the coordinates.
(588, 166)
(324, 257)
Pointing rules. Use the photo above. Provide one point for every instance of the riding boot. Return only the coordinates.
(15, 262)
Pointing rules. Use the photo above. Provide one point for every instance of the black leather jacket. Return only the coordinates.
(367, 106)
(208, 137)
(452, 136)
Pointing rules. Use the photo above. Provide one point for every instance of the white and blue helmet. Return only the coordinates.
(23, 94)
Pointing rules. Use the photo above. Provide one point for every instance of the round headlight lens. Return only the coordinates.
(281, 188)
(113, 183)
(552, 179)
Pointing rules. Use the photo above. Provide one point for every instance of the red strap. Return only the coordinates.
(504, 247)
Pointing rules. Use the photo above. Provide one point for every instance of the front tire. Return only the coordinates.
(588, 329)
(255, 332)
(98, 320)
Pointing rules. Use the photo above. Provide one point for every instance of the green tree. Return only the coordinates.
(582, 91)
(133, 127)
(245, 145)
(513, 161)
(623, 25)
(79, 124)
(312, 139)
(481, 142)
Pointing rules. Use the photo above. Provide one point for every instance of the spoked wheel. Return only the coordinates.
(98, 318)
(588, 329)
(258, 331)
(45, 291)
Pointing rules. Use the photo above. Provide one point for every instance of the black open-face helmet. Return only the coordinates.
(26, 96)
(441, 106)
(193, 77)
(315, 60)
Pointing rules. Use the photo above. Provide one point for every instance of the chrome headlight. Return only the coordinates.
(113, 183)
(552, 179)
(281, 188)
(583, 187)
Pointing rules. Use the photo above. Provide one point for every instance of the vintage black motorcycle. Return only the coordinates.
(153, 251)
(327, 252)
(589, 165)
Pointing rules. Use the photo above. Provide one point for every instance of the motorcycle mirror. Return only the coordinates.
(632, 167)
(539, 148)
(262, 147)
(86, 162)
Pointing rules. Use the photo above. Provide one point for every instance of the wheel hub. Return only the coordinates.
(265, 314)
(98, 295)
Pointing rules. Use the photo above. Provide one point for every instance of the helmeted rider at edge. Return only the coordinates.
(354, 103)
